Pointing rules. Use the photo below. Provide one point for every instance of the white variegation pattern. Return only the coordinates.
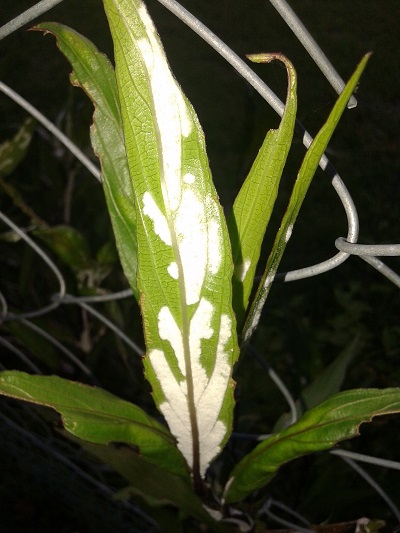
(184, 262)
(208, 391)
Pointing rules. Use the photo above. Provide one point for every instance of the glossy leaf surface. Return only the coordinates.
(253, 205)
(319, 429)
(97, 416)
(303, 181)
(93, 72)
(185, 264)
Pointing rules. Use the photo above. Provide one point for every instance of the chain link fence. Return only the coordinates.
(57, 301)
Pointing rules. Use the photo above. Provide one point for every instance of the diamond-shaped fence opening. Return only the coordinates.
(26, 332)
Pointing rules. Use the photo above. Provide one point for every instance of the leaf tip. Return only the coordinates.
(264, 57)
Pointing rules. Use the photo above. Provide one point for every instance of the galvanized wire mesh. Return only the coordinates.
(347, 247)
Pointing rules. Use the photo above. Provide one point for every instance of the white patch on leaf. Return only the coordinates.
(188, 219)
(214, 245)
(269, 279)
(198, 237)
(170, 110)
(190, 226)
(288, 232)
(255, 318)
(168, 330)
(189, 178)
(160, 225)
(209, 391)
(173, 270)
(193, 219)
(242, 269)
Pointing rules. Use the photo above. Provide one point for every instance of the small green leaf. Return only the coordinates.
(13, 151)
(304, 178)
(319, 429)
(37, 346)
(68, 244)
(94, 73)
(330, 380)
(253, 205)
(107, 254)
(97, 416)
(327, 383)
(184, 260)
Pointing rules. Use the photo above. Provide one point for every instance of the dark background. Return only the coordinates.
(306, 324)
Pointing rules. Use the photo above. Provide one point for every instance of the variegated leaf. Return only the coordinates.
(184, 261)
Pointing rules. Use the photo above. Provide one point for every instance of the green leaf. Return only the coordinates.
(327, 383)
(97, 416)
(319, 429)
(68, 244)
(253, 205)
(330, 380)
(37, 346)
(13, 151)
(305, 175)
(94, 73)
(184, 260)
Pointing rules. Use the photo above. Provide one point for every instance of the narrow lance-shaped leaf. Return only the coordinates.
(13, 151)
(184, 261)
(93, 72)
(319, 429)
(68, 244)
(325, 385)
(253, 205)
(305, 175)
(95, 415)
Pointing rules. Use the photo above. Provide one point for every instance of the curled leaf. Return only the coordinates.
(254, 204)
(319, 429)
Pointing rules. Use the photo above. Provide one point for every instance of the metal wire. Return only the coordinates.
(38, 250)
(51, 451)
(312, 47)
(271, 503)
(27, 16)
(386, 463)
(377, 488)
(277, 381)
(52, 128)
(265, 92)
(50, 338)
(21, 356)
(346, 246)
(107, 322)
(247, 73)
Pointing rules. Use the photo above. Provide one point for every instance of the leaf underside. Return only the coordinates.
(94, 415)
(93, 72)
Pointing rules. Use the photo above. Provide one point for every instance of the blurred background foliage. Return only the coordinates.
(305, 325)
